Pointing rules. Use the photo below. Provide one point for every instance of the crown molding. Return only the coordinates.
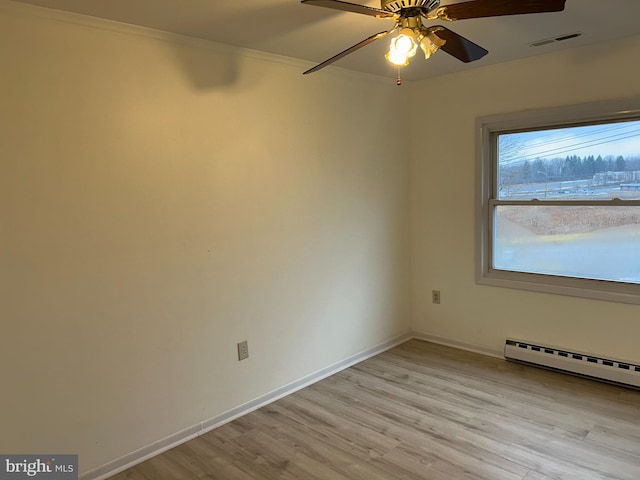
(25, 9)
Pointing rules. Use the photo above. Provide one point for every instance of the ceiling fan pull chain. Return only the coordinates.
(399, 79)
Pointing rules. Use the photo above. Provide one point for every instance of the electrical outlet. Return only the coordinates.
(435, 296)
(243, 350)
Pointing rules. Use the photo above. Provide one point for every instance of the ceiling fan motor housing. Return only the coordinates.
(396, 6)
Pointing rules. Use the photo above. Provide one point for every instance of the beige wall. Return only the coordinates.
(161, 201)
(444, 203)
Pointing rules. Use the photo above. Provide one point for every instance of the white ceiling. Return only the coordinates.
(286, 27)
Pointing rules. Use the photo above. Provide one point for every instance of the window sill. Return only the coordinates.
(574, 287)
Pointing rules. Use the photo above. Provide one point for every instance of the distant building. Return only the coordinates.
(614, 177)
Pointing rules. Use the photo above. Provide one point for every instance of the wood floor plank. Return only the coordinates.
(450, 438)
(616, 438)
(533, 475)
(423, 412)
(131, 474)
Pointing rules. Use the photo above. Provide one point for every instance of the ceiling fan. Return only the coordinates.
(408, 15)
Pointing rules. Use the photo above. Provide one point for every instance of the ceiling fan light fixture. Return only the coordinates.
(430, 43)
(402, 47)
(397, 58)
(405, 43)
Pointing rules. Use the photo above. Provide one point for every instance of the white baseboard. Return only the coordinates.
(134, 458)
(459, 345)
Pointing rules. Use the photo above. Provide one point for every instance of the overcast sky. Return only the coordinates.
(609, 139)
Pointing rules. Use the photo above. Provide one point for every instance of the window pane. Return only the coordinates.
(596, 162)
(595, 242)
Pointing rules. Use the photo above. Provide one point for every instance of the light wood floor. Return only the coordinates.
(422, 411)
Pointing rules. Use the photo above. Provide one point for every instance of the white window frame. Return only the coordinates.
(487, 130)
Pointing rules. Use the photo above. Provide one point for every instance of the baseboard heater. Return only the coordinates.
(598, 368)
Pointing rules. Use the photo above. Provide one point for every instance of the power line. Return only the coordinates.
(635, 132)
(586, 134)
(590, 143)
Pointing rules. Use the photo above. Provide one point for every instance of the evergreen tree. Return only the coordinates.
(589, 166)
(579, 167)
(526, 171)
(573, 167)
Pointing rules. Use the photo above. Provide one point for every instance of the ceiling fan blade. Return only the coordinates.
(350, 7)
(346, 52)
(496, 8)
(457, 46)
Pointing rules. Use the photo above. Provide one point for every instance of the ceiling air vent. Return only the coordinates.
(561, 38)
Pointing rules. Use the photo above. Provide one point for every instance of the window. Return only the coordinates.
(559, 207)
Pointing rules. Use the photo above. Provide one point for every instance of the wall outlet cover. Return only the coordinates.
(243, 350)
